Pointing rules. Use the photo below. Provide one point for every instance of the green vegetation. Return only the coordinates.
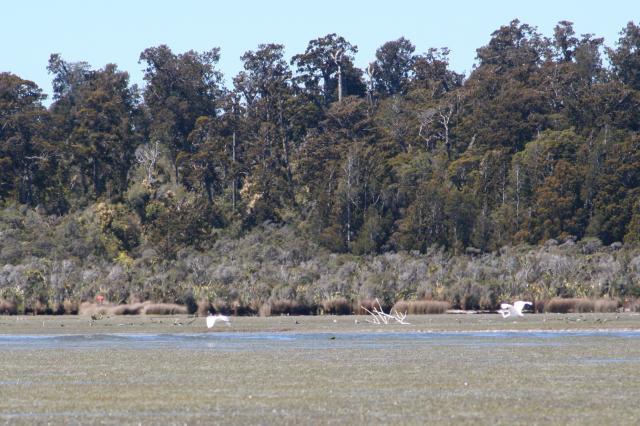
(311, 184)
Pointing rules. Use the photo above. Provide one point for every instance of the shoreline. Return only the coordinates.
(441, 323)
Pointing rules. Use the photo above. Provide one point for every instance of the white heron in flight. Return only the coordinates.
(211, 320)
(507, 310)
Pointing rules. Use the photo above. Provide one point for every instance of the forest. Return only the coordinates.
(308, 183)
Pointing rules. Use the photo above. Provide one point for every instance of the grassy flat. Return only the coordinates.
(572, 379)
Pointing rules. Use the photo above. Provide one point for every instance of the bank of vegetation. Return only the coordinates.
(309, 185)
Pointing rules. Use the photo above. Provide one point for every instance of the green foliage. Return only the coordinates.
(540, 144)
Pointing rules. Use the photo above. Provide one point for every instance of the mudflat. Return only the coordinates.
(452, 369)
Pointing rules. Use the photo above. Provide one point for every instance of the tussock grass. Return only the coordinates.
(421, 307)
(129, 309)
(369, 304)
(285, 307)
(565, 305)
(8, 307)
(204, 307)
(138, 308)
(580, 305)
(606, 305)
(164, 309)
(337, 306)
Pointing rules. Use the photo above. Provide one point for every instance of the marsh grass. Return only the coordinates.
(8, 307)
(337, 306)
(165, 309)
(236, 308)
(365, 306)
(137, 308)
(285, 307)
(579, 305)
(421, 307)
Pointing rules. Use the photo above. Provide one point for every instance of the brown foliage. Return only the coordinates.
(164, 309)
(285, 307)
(8, 307)
(421, 307)
(369, 304)
(337, 306)
(580, 305)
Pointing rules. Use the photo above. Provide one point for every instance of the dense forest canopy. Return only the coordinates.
(541, 141)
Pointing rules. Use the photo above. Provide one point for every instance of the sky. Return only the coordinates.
(116, 31)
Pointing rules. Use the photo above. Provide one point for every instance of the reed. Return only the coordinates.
(8, 307)
(285, 307)
(164, 309)
(337, 306)
(364, 305)
(421, 307)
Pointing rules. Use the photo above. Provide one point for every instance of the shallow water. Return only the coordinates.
(299, 377)
(233, 341)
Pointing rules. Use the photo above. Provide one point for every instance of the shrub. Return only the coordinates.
(8, 307)
(606, 305)
(285, 307)
(421, 307)
(129, 309)
(337, 306)
(580, 305)
(164, 309)
(369, 304)
(71, 307)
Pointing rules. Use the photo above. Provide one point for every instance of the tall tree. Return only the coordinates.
(98, 111)
(317, 68)
(393, 67)
(28, 160)
(180, 89)
(625, 59)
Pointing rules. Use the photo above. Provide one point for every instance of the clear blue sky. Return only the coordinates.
(117, 31)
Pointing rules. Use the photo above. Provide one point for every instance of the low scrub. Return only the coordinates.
(285, 307)
(421, 307)
(137, 308)
(580, 305)
(368, 305)
(337, 306)
(204, 308)
(165, 309)
(606, 305)
(8, 307)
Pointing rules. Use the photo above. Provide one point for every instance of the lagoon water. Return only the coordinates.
(343, 377)
(234, 341)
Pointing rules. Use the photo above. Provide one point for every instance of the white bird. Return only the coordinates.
(507, 310)
(211, 320)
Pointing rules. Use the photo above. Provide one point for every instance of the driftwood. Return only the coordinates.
(379, 316)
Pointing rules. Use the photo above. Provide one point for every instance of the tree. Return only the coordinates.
(98, 112)
(431, 73)
(327, 65)
(564, 42)
(180, 89)
(393, 67)
(28, 161)
(625, 59)
(265, 87)
(516, 48)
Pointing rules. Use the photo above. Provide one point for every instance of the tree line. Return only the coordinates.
(540, 141)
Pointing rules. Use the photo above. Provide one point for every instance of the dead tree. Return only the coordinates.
(337, 57)
(379, 316)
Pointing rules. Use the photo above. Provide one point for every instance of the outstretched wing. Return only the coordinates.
(505, 306)
(211, 320)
